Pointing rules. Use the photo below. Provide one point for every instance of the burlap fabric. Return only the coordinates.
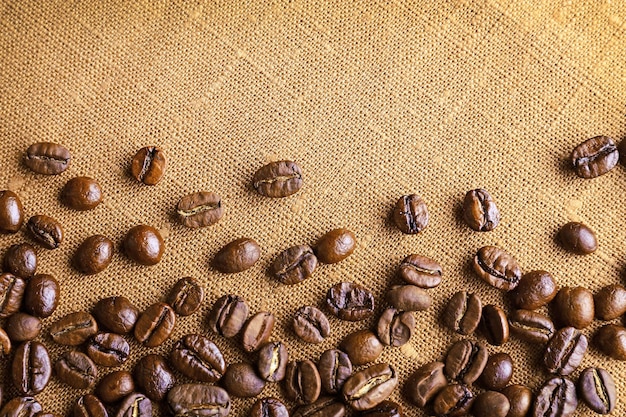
(373, 99)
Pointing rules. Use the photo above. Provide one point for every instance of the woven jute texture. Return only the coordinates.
(373, 99)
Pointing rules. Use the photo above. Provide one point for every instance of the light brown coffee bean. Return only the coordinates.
(497, 268)
(311, 325)
(409, 298)
(74, 328)
(200, 209)
(272, 362)
(294, 265)
(480, 211)
(395, 327)
(240, 380)
(463, 312)
(465, 361)
(610, 302)
(94, 255)
(81, 193)
(41, 295)
(257, 331)
(21, 260)
(186, 296)
(11, 212)
(237, 256)
(362, 347)
(369, 387)
(155, 325)
(574, 307)
(425, 383)
(421, 271)
(46, 231)
(278, 179)
(594, 157)
(335, 368)
(47, 158)
(335, 246)
(302, 382)
(148, 165)
(228, 315)
(535, 289)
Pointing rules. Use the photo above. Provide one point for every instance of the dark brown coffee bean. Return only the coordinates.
(148, 165)
(531, 326)
(409, 298)
(421, 271)
(335, 246)
(494, 325)
(594, 157)
(240, 380)
(497, 372)
(237, 256)
(94, 254)
(200, 209)
(497, 268)
(21, 327)
(21, 260)
(535, 289)
(465, 361)
(395, 327)
(294, 265)
(46, 231)
(385, 409)
(144, 245)
(135, 405)
(491, 404)
(5, 346)
(257, 331)
(155, 324)
(81, 193)
(520, 400)
(47, 158)
(31, 368)
(350, 301)
(410, 214)
(480, 211)
(597, 389)
(577, 238)
(76, 370)
(323, 407)
(453, 401)
(21, 407)
(574, 307)
(311, 325)
(302, 382)
(228, 315)
(335, 368)
(610, 302)
(116, 314)
(108, 349)
(463, 312)
(425, 383)
(41, 296)
(11, 294)
(11, 212)
(268, 407)
(74, 328)
(89, 406)
(362, 347)
(115, 386)
(556, 398)
(278, 179)
(186, 296)
(272, 362)
(198, 400)
(153, 376)
(369, 387)
(611, 340)
(198, 358)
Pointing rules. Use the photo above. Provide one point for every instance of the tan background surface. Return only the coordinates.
(373, 99)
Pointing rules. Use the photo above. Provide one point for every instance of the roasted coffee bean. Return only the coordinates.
(116, 314)
(610, 302)
(257, 331)
(198, 358)
(294, 265)
(268, 407)
(335, 246)
(11, 212)
(385, 409)
(11, 294)
(350, 301)
(148, 165)
(409, 298)
(108, 349)
(115, 386)
(74, 328)
(556, 398)
(81, 193)
(278, 179)
(535, 289)
(144, 245)
(302, 382)
(491, 404)
(135, 405)
(574, 307)
(76, 370)
(21, 407)
(21, 260)
(520, 400)
(240, 380)
(94, 254)
(465, 361)
(463, 312)
(228, 315)
(577, 238)
(198, 400)
(155, 324)
(311, 325)
(611, 340)
(323, 407)
(46, 231)
(31, 368)
(494, 325)
(362, 347)
(425, 383)
(421, 271)
(597, 389)
(153, 376)
(497, 268)
(410, 214)
(186, 296)
(480, 211)
(21, 327)
(89, 406)
(47, 158)
(497, 372)
(200, 209)
(335, 368)
(237, 256)
(369, 387)
(272, 362)
(531, 326)
(41, 295)
(5, 346)
(395, 327)
(453, 401)
(594, 157)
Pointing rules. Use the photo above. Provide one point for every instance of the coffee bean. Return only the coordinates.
(453, 401)
(76, 370)
(41, 295)
(611, 340)
(240, 380)
(155, 324)
(410, 214)
(424, 384)
(491, 404)
(520, 400)
(494, 325)
(198, 400)
(323, 407)
(200, 209)
(278, 179)
(574, 307)
(531, 326)
(497, 372)
(153, 376)
(94, 254)
(198, 358)
(497, 268)
(463, 312)
(186, 296)
(421, 271)
(385, 409)
(144, 245)
(228, 315)
(395, 327)
(135, 405)
(294, 265)
(116, 314)
(369, 387)
(11, 212)
(594, 157)
(272, 362)
(556, 397)
(362, 347)
(302, 382)
(74, 328)
(535, 289)
(480, 211)
(11, 294)
(5, 346)
(610, 302)
(335, 246)
(237, 256)
(81, 193)
(350, 301)
(465, 361)
(21, 407)
(334, 368)
(46, 231)
(31, 368)
(409, 298)
(311, 325)
(21, 260)
(148, 165)
(257, 331)
(108, 349)
(115, 386)
(597, 389)
(268, 407)
(21, 327)
(47, 158)
(89, 406)
(577, 238)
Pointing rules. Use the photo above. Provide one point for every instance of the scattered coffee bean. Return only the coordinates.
(395, 327)
(47, 158)
(497, 268)
(335, 246)
(115, 386)
(463, 312)
(594, 157)
(153, 377)
(302, 382)
(565, 351)
(421, 271)
(89, 406)
(410, 214)
(257, 331)
(272, 361)
(148, 165)
(577, 238)
(535, 289)
(494, 325)
(369, 387)
(385, 409)
(31, 368)
(200, 209)
(5, 346)
(362, 347)
(491, 404)
(294, 265)
(574, 307)
(268, 407)
(278, 179)
(228, 315)
(497, 372)
(465, 361)
(556, 397)
(323, 407)
(74, 328)
(21, 327)
(144, 245)
(116, 314)
(453, 401)
(409, 298)
(155, 325)
(611, 340)
(46, 231)
(480, 211)
(531, 326)
(94, 254)
(76, 370)
(11, 212)
(21, 260)
(186, 296)
(597, 389)
(41, 295)
(196, 400)
(11, 294)
(425, 383)
(198, 358)
(21, 407)
(311, 325)
(610, 302)
(350, 301)
(240, 380)
(108, 349)
(520, 399)
(334, 368)
(135, 405)
(81, 193)
(237, 256)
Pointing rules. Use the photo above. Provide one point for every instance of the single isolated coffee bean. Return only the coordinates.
(11, 212)
(116, 314)
(350, 301)
(497, 372)
(115, 386)
(144, 245)
(76, 370)
(520, 399)
(237, 256)
(228, 315)
(454, 400)
(385, 409)
(565, 351)
(335, 368)
(21, 327)
(197, 400)
(21, 260)
(148, 165)
(335, 246)
(574, 307)
(409, 298)
(41, 295)
(556, 397)
(410, 214)
(31, 368)
(362, 347)
(278, 179)
(610, 302)
(198, 358)
(535, 289)
(46, 231)
(577, 238)
(421, 271)
(302, 382)
(272, 361)
(108, 349)
(11, 294)
(311, 325)
(494, 325)
(294, 265)
(200, 209)
(185, 296)
(257, 331)
(153, 377)
(597, 389)
(135, 405)
(89, 406)
(465, 361)
(395, 327)
(610, 339)
(5, 345)
(94, 254)
(323, 407)
(491, 404)
(497, 268)
(74, 329)
(463, 312)
(81, 193)
(21, 407)
(268, 407)
(47, 158)
(240, 380)
(531, 326)
(594, 157)
(369, 387)
(480, 211)
(425, 383)
(155, 325)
